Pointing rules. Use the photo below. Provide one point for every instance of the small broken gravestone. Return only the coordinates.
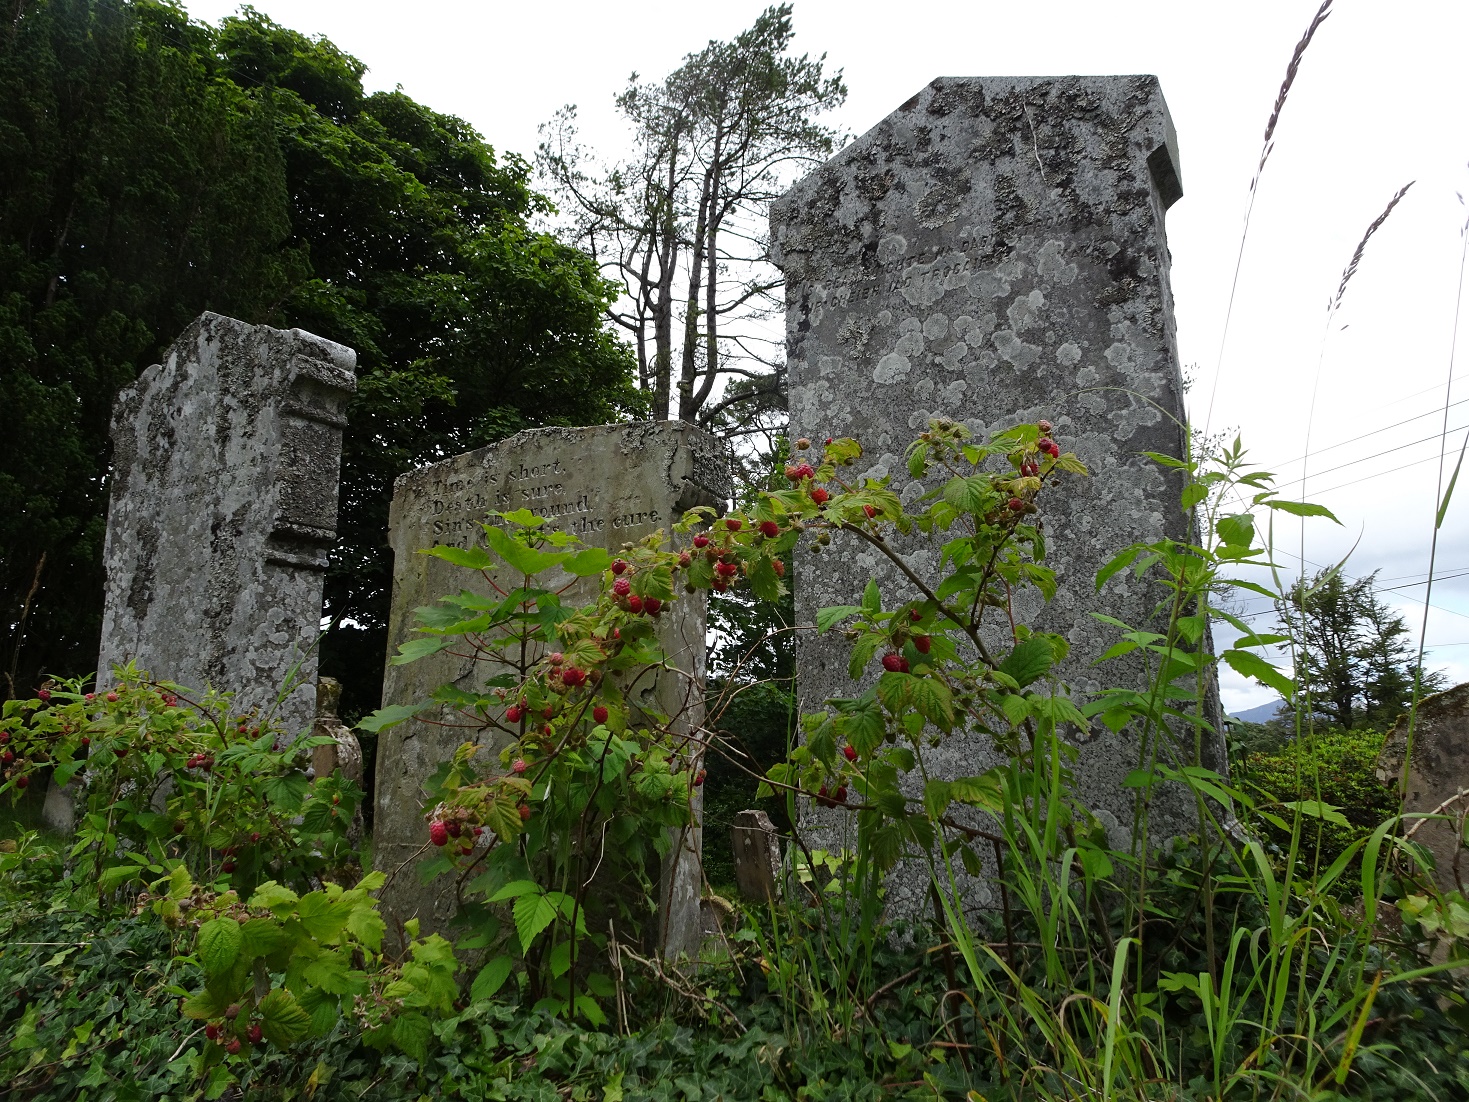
(756, 856)
(994, 252)
(608, 485)
(226, 458)
(344, 752)
(1436, 781)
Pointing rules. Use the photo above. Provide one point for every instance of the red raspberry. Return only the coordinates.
(1016, 505)
(849, 752)
(91, 696)
(513, 713)
(43, 695)
(684, 558)
(635, 604)
(779, 568)
(622, 587)
(871, 511)
(894, 663)
(793, 472)
(769, 529)
(256, 1033)
(652, 606)
(701, 541)
(22, 781)
(914, 615)
(808, 471)
(255, 836)
(86, 741)
(478, 831)
(548, 711)
(820, 496)
(733, 523)
(1046, 444)
(840, 795)
(619, 565)
(720, 587)
(555, 658)
(599, 714)
(726, 569)
(121, 751)
(518, 766)
(455, 828)
(233, 1048)
(227, 867)
(699, 778)
(524, 813)
(7, 757)
(829, 441)
(921, 643)
(573, 676)
(211, 1031)
(438, 833)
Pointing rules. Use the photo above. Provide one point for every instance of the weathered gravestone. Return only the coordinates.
(608, 485)
(994, 252)
(756, 845)
(226, 459)
(1436, 781)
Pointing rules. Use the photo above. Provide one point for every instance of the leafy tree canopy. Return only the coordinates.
(151, 168)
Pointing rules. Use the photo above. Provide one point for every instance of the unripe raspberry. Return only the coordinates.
(524, 813)
(871, 511)
(803, 443)
(555, 658)
(618, 566)
(438, 833)
(769, 529)
(599, 714)
(518, 766)
(820, 495)
(793, 472)
(779, 568)
(1044, 426)
(684, 558)
(232, 1011)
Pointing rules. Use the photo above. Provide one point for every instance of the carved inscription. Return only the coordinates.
(452, 509)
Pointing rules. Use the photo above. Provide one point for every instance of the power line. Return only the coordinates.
(1365, 435)
(1377, 455)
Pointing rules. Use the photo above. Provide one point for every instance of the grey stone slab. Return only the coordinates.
(756, 856)
(994, 251)
(609, 485)
(226, 459)
(1436, 780)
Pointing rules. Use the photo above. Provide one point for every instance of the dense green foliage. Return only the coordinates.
(152, 168)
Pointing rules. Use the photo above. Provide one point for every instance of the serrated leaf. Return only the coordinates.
(282, 1019)
(588, 561)
(523, 559)
(390, 716)
(1237, 530)
(1248, 664)
(322, 917)
(286, 792)
(872, 596)
(1303, 509)
(202, 1006)
(933, 701)
(491, 978)
(533, 913)
(1029, 661)
(367, 926)
(219, 943)
(1118, 563)
(260, 937)
(828, 618)
(514, 890)
(415, 649)
(471, 558)
(271, 895)
(411, 1033)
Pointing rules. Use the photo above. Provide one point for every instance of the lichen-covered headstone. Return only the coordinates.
(226, 458)
(608, 485)
(1436, 781)
(994, 252)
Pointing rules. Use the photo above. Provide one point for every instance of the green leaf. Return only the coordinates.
(367, 926)
(273, 896)
(872, 597)
(390, 716)
(1317, 810)
(112, 878)
(219, 944)
(934, 701)
(261, 937)
(1029, 661)
(1448, 494)
(282, 1019)
(1118, 562)
(415, 649)
(202, 1006)
(1303, 509)
(1248, 664)
(1237, 530)
(588, 561)
(828, 618)
(514, 890)
(524, 559)
(533, 913)
(286, 792)
(1193, 493)
(491, 978)
(322, 917)
(471, 558)
(412, 1033)
(587, 1007)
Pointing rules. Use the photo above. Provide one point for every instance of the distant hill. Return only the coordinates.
(1263, 713)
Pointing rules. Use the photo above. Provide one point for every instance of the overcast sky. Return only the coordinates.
(1381, 100)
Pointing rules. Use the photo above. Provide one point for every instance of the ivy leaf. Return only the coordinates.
(219, 945)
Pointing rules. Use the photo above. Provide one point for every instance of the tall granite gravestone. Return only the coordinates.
(608, 485)
(226, 459)
(1436, 781)
(994, 252)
